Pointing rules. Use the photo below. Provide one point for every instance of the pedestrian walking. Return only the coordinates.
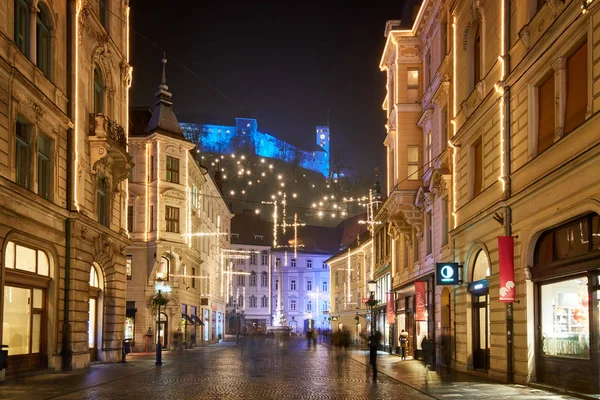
(403, 338)
(374, 341)
(309, 334)
(315, 336)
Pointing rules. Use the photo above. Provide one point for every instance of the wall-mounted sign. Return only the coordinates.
(446, 274)
(204, 301)
(365, 300)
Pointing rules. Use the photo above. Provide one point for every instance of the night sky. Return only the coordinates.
(284, 64)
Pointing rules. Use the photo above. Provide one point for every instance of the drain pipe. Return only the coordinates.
(67, 342)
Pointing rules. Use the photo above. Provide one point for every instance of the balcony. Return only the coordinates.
(108, 149)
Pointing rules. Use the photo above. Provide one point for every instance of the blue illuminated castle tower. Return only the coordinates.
(245, 138)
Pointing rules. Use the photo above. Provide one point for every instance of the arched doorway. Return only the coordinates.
(95, 310)
(446, 339)
(479, 289)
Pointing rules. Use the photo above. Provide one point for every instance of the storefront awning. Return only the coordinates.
(197, 320)
(187, 318)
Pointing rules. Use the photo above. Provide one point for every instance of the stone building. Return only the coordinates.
(351, 269)
(250, 293)
(179, 224)
(509, 88)
(65, 77)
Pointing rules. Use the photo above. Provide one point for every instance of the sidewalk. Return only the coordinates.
(454, 384)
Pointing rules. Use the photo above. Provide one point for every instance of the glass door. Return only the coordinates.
(92, 323)
(481, 332)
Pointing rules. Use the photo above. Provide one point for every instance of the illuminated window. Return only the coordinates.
(413, 163)
(128, 271)
(172, 170)
(22, 164)
(22, 26)
(172, 218)
(26, 259)
(43, 41)
(413, 85)
(98, 91)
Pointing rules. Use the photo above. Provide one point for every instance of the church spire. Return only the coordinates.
(163, 95)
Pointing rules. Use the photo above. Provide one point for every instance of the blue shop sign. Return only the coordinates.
(447, 274)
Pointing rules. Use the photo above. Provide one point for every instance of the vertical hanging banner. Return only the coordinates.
(390, 309)
(420, 302)
(506, 246)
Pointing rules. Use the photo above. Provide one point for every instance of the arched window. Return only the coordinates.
(98, 91)
(42, 32)
(481, 266)
(163, 269)
(94, 310)
(102, 200)
(22, 26)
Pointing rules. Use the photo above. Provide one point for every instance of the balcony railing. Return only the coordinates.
(103, 127)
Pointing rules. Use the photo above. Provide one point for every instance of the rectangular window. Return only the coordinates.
(43, 47)
(309, 306)
(293, 305)
(416, 247)
(152, 169)
(253, 259)
(193, 278)
(44, 166)
(128, 268)
(309, 285)
(428, 148)
(264, 302)
(194, 196)
(413, 163)
(565, 319)
(253, 301)
(172, 218)
(172, 169)
(102, 12)
(324, 285)
(546, 115)
(22, 163)
(151, 218)
(102, 201)
(444, 130)
(443, 39)
(325, 306)
(428, 66)
(413, 86)
(276, 284)
(445, 217)
(293, 262)
(309, 264)
(264, 279)
(278, 262)
(252, 279)
(324, 266)
(477, 167)
(264, 259)
(241, 281)
(576, 89)
(130, 217)
(22, 26)
(293, 284)
(429, 223)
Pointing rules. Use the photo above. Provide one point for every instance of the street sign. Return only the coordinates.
(447, 274)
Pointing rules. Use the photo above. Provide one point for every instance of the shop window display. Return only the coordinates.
(565, 319)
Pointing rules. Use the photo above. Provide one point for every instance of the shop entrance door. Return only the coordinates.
(446, 345)
(162, 330)
(481, 333)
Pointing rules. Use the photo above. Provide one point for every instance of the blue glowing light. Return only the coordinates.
(246, 138)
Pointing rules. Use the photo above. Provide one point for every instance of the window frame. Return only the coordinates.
(23, 178)
(43, 52)
(103, 200)
(309, 264)
(172, 169)
(172, 219)
(410, 87)
(414, 175)
(99, 89)
(293, 285)
(21, 36)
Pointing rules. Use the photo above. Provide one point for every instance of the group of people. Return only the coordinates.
(312, 335)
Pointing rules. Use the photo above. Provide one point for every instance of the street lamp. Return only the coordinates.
(160, 300)
(372, 286)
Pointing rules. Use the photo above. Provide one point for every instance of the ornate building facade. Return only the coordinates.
(508, 141)
(65, 77)
(179, 226)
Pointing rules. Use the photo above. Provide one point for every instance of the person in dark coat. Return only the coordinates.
(374, 341)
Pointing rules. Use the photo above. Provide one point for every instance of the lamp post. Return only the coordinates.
(372, 286)
(160, 300)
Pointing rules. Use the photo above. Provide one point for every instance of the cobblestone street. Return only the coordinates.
(266, 371)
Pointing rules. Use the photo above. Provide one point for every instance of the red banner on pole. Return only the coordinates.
(420, 301)
(506, 248)
(390, 308)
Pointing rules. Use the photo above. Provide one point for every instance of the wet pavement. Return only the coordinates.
(263, 370)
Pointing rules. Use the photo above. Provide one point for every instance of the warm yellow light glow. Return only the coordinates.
(188, 196)
(454, 112)
(157, 190)
(147, 178)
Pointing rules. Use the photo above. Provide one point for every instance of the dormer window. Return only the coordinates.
(235, 235)
(258, 237)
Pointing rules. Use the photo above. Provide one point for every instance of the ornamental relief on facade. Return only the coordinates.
(405, 50)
